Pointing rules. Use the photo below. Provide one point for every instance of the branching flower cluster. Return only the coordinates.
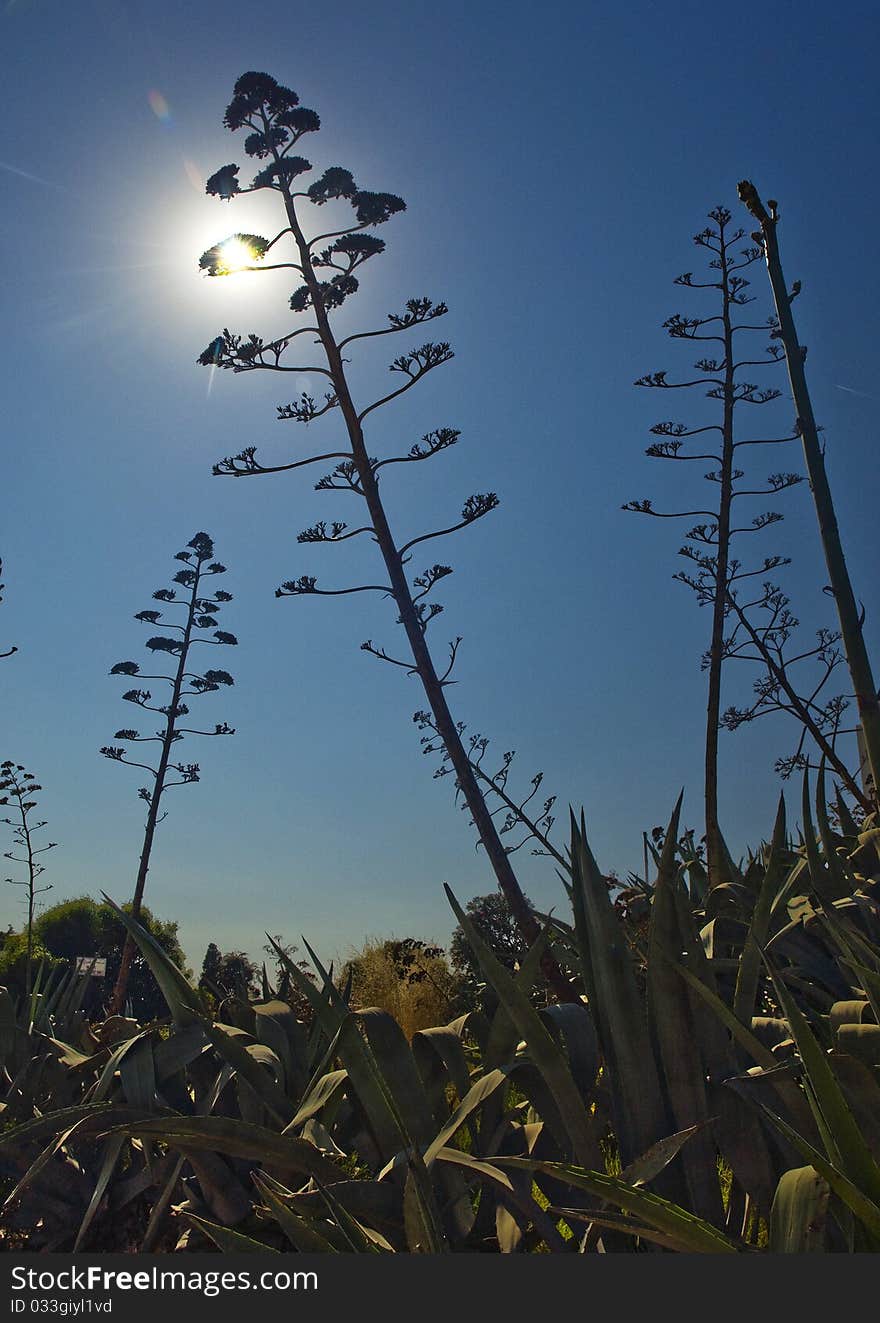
(714, 574)
(18, 789)
(329, 267)
(196, 625)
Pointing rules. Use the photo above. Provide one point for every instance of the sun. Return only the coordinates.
(234, 255)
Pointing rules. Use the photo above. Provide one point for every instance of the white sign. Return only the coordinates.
(94, 965)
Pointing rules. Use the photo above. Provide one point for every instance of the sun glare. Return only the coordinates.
(235, 256)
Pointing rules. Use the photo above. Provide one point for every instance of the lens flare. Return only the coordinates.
(159, 106)
(195, 176)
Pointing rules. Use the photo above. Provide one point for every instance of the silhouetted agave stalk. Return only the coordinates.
(196, 626)
(17, 789)
(326, 264)
(709, 542)
(820, 718)
(864, 685)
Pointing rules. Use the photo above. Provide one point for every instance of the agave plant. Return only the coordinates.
(714, 1090)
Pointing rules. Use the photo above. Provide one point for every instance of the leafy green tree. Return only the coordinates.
(83, 926)
(17, 788)
(197, 625)
(326, 265)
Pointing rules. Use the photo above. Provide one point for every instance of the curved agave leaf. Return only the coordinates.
(749, 973)
(239, 1139)
(697, 1234)
(229, 1241)
(616, 1006)
(543, 1049)
(800, 1207)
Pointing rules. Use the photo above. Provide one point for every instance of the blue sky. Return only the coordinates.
(556, 163)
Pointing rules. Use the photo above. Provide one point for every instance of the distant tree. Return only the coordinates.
(228, 971)
(714, 571)
(281, 985)
(9, 651)
(211, 963)
(83, 926)
(494, 922)
(326, 265)
(17, 790)
(409, 978)
(197, 626)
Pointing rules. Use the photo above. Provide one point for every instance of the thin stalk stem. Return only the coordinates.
(117, 1000)
(409, 618)
(858, 662)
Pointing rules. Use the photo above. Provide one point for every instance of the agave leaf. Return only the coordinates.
(854, 1011)
(844, 1141)
(508, 1191)
(377, 1204)
(249, 1069)
(700, 1236)
(440, 1057)
(227, 1240)
(572, 1025)
(800, 1207)
(856, 954)
(847, 822)
(183, 999)
(137, 1072)
(811, 848)
(98, 1117)
(658, 1156)
(277, 1026)
(37, 1166)
(320, 1095)
(864, 1208)
(104, 1083)
(237, 1138)
(227, 1199)
(862, 1041)
(676, 1031)
(338, 1025)
(396, 1064)
(175, 1053)
(358, 1239)
(302, 1234)
(470, 1103)
(860, 1081)
(160, 1206)
(504, 1035)
(112, 1150)
(544, 1051)
(618, 1014)
(749, 975)
(841, 884)
(600, 1217)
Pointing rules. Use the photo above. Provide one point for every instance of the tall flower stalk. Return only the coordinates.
(197, 625)
(858, 661)
(17, 790)
(326, 265)
(715, 571)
